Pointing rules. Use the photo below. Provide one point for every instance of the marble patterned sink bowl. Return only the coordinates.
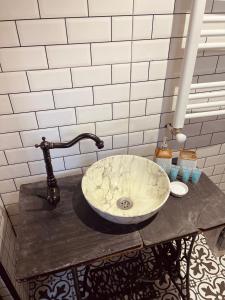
(126, 189)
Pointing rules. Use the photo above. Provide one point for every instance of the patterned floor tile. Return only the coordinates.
(204, 264)
(171, 293)
(211, 290)
(59, 286)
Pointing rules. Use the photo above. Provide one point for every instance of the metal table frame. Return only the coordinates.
(132, 275)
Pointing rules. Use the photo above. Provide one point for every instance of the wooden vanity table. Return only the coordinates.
(73, 235)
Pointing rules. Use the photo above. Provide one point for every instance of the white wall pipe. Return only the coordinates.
(213, 18)
(204, 85)
(205, 114)
(213, 32)
(191, 48)
(211, 45)
(207, 95)
(206, 104)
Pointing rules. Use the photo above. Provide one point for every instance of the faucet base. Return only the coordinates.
(53, 195)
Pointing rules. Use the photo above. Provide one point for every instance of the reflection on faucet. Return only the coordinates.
(53, 191)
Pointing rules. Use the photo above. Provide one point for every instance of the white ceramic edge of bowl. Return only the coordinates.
(126, 217)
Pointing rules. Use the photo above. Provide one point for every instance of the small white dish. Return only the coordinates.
(178, 189)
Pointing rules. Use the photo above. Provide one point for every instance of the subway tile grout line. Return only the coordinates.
(149, 69)
(102, 121)
(165, 59)
(164, 87)
(152, 26)
(215, 71)
(103, 42)
(46, 57)
(93, 96)
(112, 109)
(75, 114)
(28, 165)
(21, 140)
(10, 101)
(127, 82)
(146, 101)
(18, 36)
(35, 113)
(28, 82)
(96, 16)
(60, 138)
(91, 54)
(67, 38)
(111, 24)
(131, 68)
(88, 9)
(71, 78)
(39, 11)
(6, 158)
(53, 98)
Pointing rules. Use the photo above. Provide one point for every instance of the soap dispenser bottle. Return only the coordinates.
(163, 156)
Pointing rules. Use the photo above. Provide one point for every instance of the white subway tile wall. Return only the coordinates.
(111, 53)
(9, 37)
(121, 73)
(49, 79)
(67, 8)
(63, 56)
(12, 10)
(86, 30)
(142, 27)
(73, 97)
(108, 67)
(23, 58)
(36, 101)
(13, 82)
(57, 117)
(117, 24)
(90, 76)
(5, 106)
(42, 32)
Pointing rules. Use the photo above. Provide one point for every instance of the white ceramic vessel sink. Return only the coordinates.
(126, 189)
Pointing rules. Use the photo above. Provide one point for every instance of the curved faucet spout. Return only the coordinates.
(98, 142)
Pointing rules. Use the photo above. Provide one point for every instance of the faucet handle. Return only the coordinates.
(39, 145)
(44, 144)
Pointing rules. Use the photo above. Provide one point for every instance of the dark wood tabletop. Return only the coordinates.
(203, 208)
(73, 234)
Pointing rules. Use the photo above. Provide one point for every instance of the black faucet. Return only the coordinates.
(53, 191)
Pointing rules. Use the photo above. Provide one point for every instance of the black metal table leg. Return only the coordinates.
(76, 283)
(185, 257)
(174, 257)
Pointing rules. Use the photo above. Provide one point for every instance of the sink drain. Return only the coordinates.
(124, 203)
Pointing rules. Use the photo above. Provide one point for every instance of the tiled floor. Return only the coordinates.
(207, 280)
